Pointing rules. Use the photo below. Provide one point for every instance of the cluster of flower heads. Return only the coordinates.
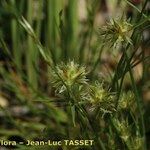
(116, 32)
(72, 77)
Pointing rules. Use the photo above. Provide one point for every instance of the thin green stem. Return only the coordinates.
(139, 101)
(15, 40)
(31, 54)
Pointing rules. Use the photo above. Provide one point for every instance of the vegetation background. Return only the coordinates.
(101, 91)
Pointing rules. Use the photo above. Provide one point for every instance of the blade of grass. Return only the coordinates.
(72, 27)
(53, 9)
(45, 54)
(68, 30)
(139, 101)
(15, 41)
(30, 55)
(144, 15)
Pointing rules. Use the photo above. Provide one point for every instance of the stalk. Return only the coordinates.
(30, 55)
(53, 8)
(72, 27)
(15, 40)
(139, 101)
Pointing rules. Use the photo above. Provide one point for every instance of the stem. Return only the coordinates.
(15, 41)
(30, 55)
(139, 101)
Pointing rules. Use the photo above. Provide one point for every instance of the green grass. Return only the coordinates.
(58, 76)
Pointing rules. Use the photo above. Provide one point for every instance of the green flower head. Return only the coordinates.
(123, 128)
(102, 98)
(127, 101)
(116, 32)
(68, 75)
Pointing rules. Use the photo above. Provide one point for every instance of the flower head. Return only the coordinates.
(123, 129)
(127, 101)
(116, 31)
(68, 75)
(102, 98)
(137, 143)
